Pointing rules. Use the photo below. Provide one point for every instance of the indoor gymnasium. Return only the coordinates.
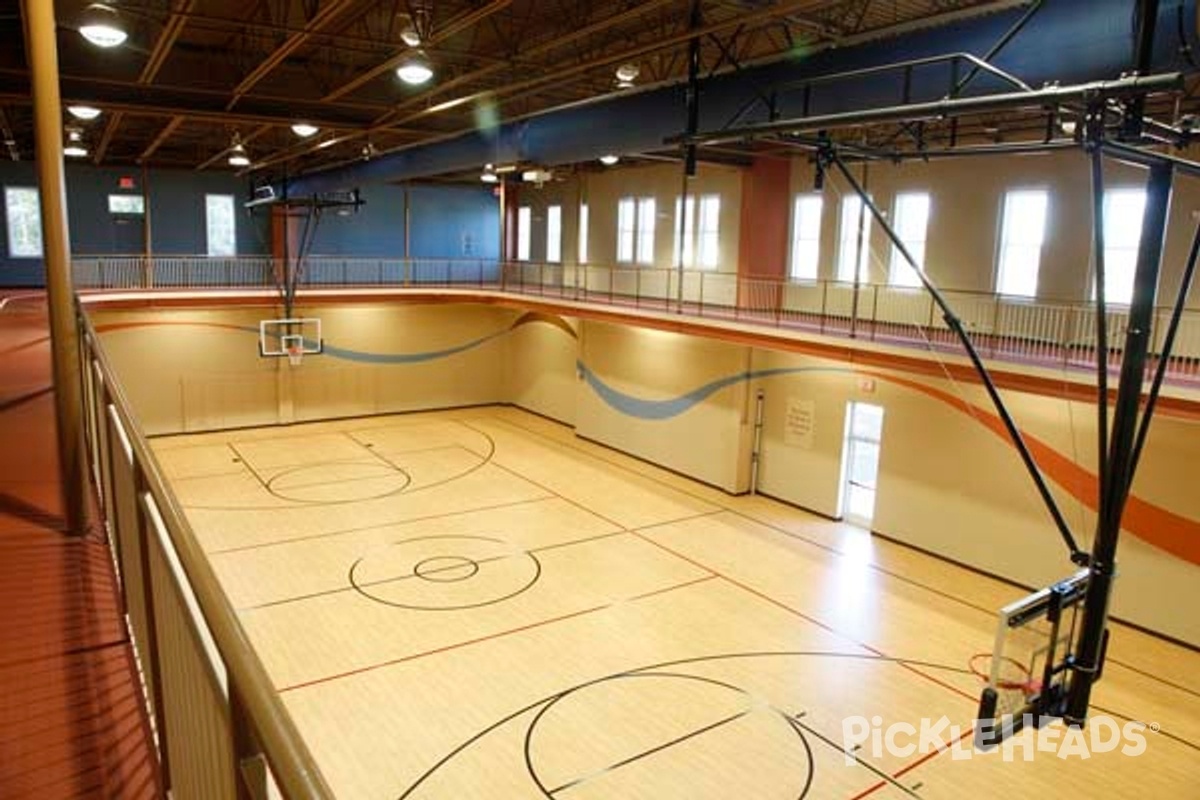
(765, 399)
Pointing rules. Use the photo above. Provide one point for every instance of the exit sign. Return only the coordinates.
(125, 183)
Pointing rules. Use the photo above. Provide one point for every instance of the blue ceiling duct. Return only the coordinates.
(1066, 41)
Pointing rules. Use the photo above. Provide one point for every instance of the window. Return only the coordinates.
(911, 220)
(126, 204)
(864, 436)
(686, 218)
(706, 242)
(806, 236)
(645, 236)
(625, 229)
(524, 223)
(222, 233)
(1123, 209)
(1023, 229)
(583, 233)
(710, 231)
(24, 217)
(848, 240)
(554, 234)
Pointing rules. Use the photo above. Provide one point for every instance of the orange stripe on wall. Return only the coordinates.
(1153, 524)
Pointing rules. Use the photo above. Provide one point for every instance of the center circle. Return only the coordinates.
(444, 572)
(446, 569)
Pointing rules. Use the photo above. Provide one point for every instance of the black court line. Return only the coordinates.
(373, 526)
(653, 673)
(664, 746)
(795, 722)
(286, 437)
(741, 585)
(542, 549)
(295, 504)
(813, 620)
(655, 667)
(1160, 732)
(990, 612)
(491, 636)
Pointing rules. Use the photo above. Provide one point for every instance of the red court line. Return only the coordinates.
(497, 635)
(910, 767)
(802, 615)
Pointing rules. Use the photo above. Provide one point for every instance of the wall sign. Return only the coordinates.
(799, 422)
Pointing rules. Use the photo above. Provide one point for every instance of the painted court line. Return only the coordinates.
(389, 524)
(489, 637)
(991, 613)
(802, 615)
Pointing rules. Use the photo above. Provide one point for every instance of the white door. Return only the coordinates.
(864, 431)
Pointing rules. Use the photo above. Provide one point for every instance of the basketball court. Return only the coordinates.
(476, 603)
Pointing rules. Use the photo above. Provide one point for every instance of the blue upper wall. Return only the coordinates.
(176, 215)
(454, 222)
(1068, 41)
(447, 221)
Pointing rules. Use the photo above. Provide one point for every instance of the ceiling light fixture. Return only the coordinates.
(83, 112)
(101, 25)
(609, 160)
(415, 71)
(75, 151)
(410, 36)
(627, 73)
(327, 143)
(304, 130)
(237, 153)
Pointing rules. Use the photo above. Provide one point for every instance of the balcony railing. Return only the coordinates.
(1041, 332)
(221, 730)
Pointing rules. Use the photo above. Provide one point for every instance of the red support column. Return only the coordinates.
(763, 245)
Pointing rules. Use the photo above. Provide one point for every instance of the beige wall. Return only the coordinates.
(199, 369)
(947, 483)
(540, 369)
(602, 191)
(966, 200)
(709, 441)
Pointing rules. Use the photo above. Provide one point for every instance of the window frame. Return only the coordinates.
(36, 232)
(524, 232)
(1003, 244)
(208, 225)
(899, 267)
(848, 235)
(554, 234)
(798, 202)
(1109, 249)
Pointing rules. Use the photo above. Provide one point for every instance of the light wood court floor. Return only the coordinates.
(476, 604)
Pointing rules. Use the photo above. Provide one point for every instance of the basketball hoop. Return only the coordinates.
(295, 354)
(1012, 675)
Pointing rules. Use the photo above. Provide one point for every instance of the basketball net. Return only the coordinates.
(295, 354)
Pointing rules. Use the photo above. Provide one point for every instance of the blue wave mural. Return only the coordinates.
(640, 408)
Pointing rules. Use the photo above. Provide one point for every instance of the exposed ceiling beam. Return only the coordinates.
(110, 129)
(164, 110)
(454, 26)
(560, 41)
(552, 74)
(166, 40)
(202, 98)
(558, 73)
(10, 141)
(293, 43)
(162, 136)
(247, 139)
